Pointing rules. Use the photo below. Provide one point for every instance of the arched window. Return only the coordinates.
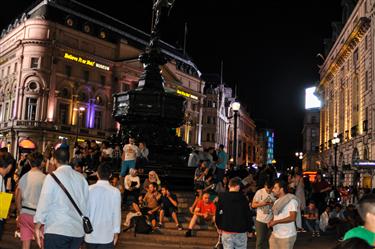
(99, 100)
(65, 93)
(82, 96)
(365, 153)
(355, 156)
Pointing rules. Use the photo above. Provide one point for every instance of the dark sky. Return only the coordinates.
(269, 49)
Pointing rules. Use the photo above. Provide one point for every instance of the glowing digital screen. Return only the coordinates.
(311, 101)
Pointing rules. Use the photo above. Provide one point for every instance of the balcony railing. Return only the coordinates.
(32, 124)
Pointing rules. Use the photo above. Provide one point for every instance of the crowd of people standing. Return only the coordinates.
(240, 202)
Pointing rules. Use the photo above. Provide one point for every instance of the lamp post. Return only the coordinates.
(299, 156)
(80, 112)
(335, 142)
(235, 107)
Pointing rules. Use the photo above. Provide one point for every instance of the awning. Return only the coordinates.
(27, 144)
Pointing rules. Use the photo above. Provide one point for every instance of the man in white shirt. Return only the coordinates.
(284, 210)
(263, 201)
(104, 210)
(27, 197)
(6, 163)
(129, 156)
(63, 226)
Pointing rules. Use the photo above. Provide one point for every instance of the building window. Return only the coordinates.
(8, 70)
(34, 62)
(366, 81)
(213, 137)
(98, 120)
(208, 120)
(125, 87)
(82, 118)
(64, 113)
(208, 137)
(68, 70)
(86, 75)
(366, 43)
(15, 67)
(355, 57)
(6, 111)
(30, 113)
(102, 79)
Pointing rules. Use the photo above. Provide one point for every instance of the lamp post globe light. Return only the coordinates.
(235, 107)
(80, 112)
(299, 156)
(335, 142)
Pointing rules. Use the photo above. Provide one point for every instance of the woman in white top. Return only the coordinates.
(132, 184)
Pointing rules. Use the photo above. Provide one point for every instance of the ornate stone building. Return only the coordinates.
(346, 90)
(60, 63)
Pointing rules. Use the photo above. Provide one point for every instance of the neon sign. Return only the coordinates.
(185, 94)
(84, 61)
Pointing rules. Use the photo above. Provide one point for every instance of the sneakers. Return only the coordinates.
(340, 239)
(317, 234)
(314, 234)
(188, 233)
(160, 225)
(179, 227)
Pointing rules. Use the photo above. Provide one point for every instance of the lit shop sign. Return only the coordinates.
(85, 61)
(364, 163)
(185, 94)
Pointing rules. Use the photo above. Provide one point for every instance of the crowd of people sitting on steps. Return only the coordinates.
(240, 202)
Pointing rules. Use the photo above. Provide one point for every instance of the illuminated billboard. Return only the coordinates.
(311, 101)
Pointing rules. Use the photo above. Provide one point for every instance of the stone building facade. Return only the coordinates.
(346, 91)
(60, 63)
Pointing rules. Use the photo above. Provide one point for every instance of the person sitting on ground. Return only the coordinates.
(200, 175)
(152, 177)
(132, 185)
(205, 210)
(198, 197)
(152, 198)
(311, 216)
(168, 207)
(139, 208)
(324, 220)
(366, 209)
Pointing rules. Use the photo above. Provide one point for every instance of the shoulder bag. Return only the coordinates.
(87, 227)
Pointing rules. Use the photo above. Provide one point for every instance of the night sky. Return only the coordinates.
(269, 50)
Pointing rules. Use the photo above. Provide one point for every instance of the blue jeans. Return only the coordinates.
(126, 165)
(55, 241)
(234, 240)
(312, 225)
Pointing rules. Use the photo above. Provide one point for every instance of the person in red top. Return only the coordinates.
(205, 210)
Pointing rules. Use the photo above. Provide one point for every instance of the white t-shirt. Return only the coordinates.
(31, 185)
(131, 152)
(285, 230)
(264, 214)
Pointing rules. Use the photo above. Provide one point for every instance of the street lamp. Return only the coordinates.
(335, 142)
(80, 112)
(299, 155)
(235, 107)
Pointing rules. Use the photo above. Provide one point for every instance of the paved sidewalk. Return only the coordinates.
(174, 239)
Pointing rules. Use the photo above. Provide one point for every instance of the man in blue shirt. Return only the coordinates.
(221, 164)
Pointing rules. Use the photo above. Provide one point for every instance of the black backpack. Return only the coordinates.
(141, 225)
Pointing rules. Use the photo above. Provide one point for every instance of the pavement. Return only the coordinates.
(170, 237)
